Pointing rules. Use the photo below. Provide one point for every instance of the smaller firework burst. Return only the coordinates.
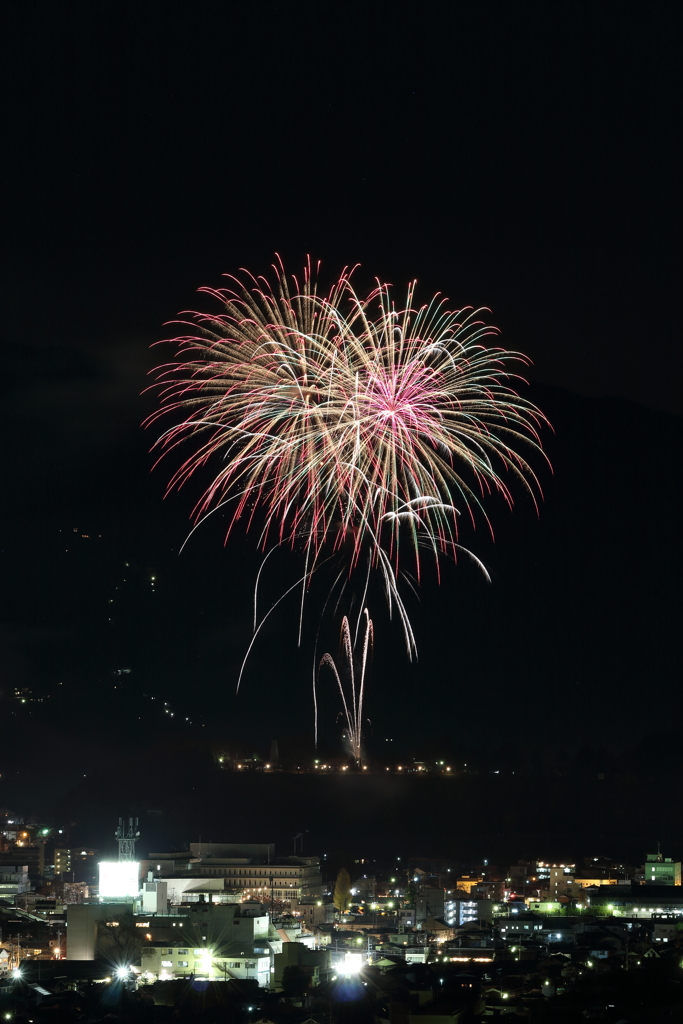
(353, 703)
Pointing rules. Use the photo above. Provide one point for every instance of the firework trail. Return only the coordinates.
(353, 704)
(346, 424)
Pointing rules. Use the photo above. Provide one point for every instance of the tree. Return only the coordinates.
(295, 981)
(342, 891)
(411, 894)
(121, 940)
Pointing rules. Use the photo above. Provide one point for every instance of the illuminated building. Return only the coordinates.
(154, 897)
(639, 901)
(590, 883)
(661, 870)
(62, 861)
(251, 868)
(217, 962)
(468, 882)
(314, 963)
(13, 879)
(561, 882)
(220, 942)
(543, 870)
(460, 912)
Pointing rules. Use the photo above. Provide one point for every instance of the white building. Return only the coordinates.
(13, 879)
(252, 869)
(154, 897)
(224, 963)
(213, 941)
(458, 913)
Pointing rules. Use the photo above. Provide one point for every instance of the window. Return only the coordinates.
(166, 963)
(183, 963)
(182, 952)
(166, 952)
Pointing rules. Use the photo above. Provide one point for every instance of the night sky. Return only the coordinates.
(520, 156)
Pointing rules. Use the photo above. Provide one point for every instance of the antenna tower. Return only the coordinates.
(127, 835)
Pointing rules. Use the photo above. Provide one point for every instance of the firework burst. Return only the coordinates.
(346, 421)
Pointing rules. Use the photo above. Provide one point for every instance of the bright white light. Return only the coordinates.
(352, 963)
(122, 972)
(119, 879)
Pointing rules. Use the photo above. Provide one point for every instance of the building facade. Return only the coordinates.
(661, 870)
(253, 869)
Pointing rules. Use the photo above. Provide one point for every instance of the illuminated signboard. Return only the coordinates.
(119, 879)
